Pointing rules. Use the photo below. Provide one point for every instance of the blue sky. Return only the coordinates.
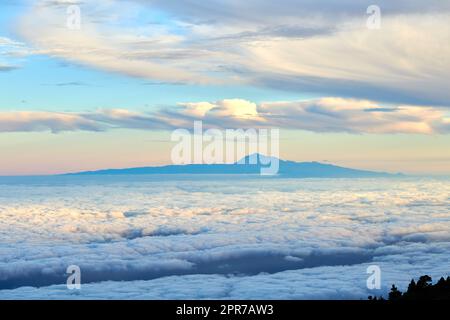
(54, 84)
(139, 69)
(69, 87)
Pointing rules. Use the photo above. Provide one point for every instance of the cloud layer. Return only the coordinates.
(148, 238)
(320, 115)
(299, 45)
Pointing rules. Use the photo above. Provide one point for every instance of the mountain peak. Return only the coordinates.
(258, 158)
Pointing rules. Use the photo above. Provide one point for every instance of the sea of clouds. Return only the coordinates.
(229, 238)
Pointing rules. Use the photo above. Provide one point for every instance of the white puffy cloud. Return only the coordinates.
(237, 108)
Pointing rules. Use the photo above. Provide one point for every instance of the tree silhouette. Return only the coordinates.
(424, 282)
(395, 294)
(423, 289)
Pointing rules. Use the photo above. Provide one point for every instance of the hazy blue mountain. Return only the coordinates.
(286, 169)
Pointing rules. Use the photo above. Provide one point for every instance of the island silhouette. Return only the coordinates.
(249, 166)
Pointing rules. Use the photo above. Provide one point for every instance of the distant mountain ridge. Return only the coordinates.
(286, 169)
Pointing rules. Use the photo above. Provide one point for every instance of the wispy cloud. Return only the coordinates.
(320, 115)
(28, 121)
(70, 84)
(5, 68)
(305, 46)
(11, 49)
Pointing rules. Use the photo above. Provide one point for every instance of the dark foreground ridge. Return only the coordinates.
(424, 289)
(246, 166)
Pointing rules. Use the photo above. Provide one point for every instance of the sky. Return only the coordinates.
(109, 93)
